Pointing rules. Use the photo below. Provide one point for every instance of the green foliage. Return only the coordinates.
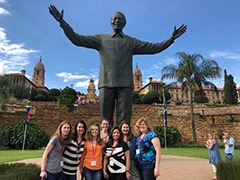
(40, 97)
(151, 97)
(70, 93)
(19, 171)
(178, 103)
(228, 170)
(5, 93)
(54, 94)
(136, 98)
(200, 96)
(20, 92)
(65, 101)
(173, 135)
(230, 92)
(36, 138)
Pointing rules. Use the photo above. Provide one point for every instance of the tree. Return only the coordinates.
(54, 94)
(5, 87)
(68, 92)
(230, 92)
(190, 69)
(20, 92)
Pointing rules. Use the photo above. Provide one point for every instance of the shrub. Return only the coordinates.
(36, 138)
(19, 171)
(172, 134)
(224, 168)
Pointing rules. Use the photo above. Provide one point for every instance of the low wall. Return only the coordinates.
(48, 115)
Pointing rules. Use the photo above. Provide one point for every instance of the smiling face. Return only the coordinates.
(94, 131)
(105, 125)
(143, 128)
(116, 134)
(80, 129)
(125, 129)
(65, 130)
(118, 21)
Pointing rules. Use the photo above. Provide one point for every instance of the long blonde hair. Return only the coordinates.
(58, 132)
(90, 137)
(137, 125)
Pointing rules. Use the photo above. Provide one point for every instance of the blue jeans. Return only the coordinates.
(146, 171)
(92, 174)
(51, 176)
(68, 177)
(229, 157)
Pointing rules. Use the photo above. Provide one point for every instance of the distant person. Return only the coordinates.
(91, 161)
(117, 157)
(229, 146)
(105, 130)
(73, 152)
(213, 120)
(231, 119)
(214, 154)
(116, 52)
(129, 138)
(148, 150)
(51, 165)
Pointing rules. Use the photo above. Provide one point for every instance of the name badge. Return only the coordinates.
(111, 163)
(137, 151)
(61, 163)
(93, 163)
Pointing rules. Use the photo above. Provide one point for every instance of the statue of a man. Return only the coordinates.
(116, 51)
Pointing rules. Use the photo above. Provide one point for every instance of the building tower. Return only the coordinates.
(91, 96)
(38, 77)
(137, 78)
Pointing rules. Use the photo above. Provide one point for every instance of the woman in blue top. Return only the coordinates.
(148, 150)
(213, 152)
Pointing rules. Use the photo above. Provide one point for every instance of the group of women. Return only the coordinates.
(102, 152)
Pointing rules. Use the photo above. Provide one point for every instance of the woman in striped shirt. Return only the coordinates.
(73, 152)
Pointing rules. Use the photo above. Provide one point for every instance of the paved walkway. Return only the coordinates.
(173, 167)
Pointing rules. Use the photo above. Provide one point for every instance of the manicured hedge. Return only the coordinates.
(19, 171)
(228, 170)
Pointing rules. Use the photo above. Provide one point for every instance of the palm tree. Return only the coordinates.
(191, 70)
(5, 85)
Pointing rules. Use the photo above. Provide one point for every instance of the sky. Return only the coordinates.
(28, 32)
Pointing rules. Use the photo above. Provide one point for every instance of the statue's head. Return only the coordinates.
(118, 21)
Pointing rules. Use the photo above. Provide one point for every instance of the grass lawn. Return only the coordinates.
(195, 152)
(15, 155)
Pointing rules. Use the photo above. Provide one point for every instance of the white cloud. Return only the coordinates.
(70, 77)
(85, 84)
(13, 57)
(171, 60)
(3, 1)
(225, 55)
(4, 12)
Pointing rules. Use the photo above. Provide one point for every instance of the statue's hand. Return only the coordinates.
(55, 13)
(179, 31)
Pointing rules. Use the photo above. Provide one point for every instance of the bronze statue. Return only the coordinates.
(116, 51)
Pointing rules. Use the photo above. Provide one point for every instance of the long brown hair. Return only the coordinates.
(58, 132)
(90, 137)
(130, 134)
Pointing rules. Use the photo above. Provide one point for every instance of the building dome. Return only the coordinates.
(137, 71)
(39, 65)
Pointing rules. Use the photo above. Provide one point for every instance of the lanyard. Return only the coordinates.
(94, 149)
(141, 139)
(113, 148)
(63, 148)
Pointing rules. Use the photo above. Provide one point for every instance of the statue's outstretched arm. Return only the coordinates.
(177, 32)
(55, 13)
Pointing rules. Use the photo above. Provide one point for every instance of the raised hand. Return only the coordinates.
(179, 31)
(55, 13)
